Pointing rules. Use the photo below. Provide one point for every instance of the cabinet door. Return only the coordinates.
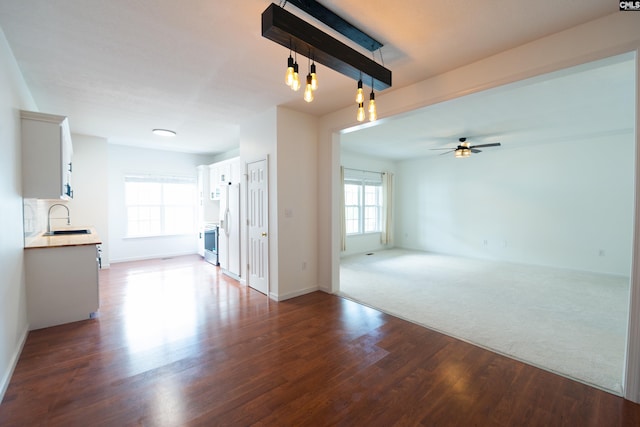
(46, 156)
(62, 284)
(235, 174)
(214, 184)
(224, 173)
(67, 159)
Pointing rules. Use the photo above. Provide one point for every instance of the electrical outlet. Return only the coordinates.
(601, 252)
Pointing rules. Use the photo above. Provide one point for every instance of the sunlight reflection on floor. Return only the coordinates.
(160, 312)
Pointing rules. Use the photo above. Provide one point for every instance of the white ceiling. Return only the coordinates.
(120, 68)
(576, 103)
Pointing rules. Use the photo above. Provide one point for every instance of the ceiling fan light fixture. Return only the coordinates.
(461, 153)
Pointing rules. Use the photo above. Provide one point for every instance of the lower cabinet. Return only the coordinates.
(62, 284)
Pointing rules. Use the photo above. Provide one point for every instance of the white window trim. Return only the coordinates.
(159, 179)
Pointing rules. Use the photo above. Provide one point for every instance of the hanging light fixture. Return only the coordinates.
(294, 33)
(373, 112)
(285, 29)
(295, 84)
(314, 77)
(360, 115)
(288, 77)
(308, 90)
(359, 93)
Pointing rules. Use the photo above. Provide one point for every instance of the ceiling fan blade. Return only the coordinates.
(441, 148)
(473, 150)
(447, 152)
(495, 144)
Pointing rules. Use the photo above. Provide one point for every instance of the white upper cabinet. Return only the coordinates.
(214, 182)
(223, 173)
(46, 156)
(234, 171)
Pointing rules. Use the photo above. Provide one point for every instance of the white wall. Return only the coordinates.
(297, 203)
(124, 160)
(567, 204)
(89, 206)
(13, 308)
(289, 139)
(361, 243)
(258, 141)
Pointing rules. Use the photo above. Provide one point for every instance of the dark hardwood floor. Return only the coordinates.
(177, 343)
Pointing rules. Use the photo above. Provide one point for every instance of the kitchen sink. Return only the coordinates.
(67, 232)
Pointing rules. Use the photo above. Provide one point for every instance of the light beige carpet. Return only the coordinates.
(569, 322)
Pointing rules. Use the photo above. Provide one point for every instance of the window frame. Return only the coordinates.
(162, 205)
(363, 182)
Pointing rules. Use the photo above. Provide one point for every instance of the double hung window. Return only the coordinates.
(160, 205)
(362, 201)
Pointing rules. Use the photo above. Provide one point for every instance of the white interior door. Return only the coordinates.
(258, 221)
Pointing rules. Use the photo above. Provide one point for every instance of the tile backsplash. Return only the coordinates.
(35, 213)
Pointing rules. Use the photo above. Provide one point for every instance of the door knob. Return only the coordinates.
(264, 234)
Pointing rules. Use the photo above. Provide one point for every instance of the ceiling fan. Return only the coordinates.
(464, 149)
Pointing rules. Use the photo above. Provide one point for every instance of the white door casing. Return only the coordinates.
(258, 226)
(233, 229)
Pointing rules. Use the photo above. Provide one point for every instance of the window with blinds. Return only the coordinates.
(363, 201)
(160, 205)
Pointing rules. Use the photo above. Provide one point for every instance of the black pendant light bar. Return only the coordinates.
(288, 30)
(336, 22)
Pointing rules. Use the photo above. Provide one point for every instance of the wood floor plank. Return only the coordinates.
(177, 343)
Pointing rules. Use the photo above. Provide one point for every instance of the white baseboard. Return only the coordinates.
(146, 258)
(6, 378)
(300, 292)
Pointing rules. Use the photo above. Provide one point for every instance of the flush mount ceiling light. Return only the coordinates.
(288, 30)
(164, 132)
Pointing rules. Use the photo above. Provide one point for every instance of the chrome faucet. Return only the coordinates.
(49, 215)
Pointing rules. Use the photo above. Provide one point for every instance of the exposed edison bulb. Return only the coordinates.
(295, 85)
(314, 77)
(360, 116)
(288, 77)
(359, 93)
(373, 112)
(308, 89)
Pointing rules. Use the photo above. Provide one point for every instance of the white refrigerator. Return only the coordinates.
(229, 234)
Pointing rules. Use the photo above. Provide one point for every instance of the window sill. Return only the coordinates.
(157, 236)
(363, 234)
